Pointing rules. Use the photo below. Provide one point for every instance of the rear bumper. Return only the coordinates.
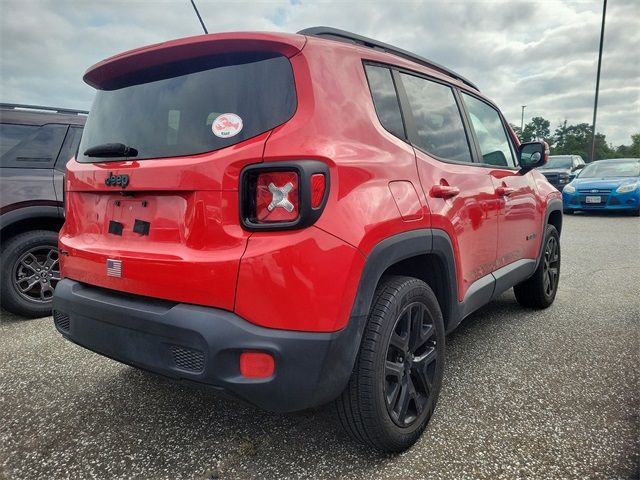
(203, 345)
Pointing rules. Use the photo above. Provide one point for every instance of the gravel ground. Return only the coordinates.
(551, 394)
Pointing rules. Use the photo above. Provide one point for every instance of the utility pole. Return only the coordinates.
(595, 104)
(199, 17)
(522, 121)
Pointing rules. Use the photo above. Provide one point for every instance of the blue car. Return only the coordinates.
(605, 185)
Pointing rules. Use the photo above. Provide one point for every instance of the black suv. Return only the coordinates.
(560, 169)
(35, 145)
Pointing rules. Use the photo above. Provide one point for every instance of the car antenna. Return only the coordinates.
(199, 17)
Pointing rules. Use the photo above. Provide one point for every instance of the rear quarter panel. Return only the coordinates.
(312, 277)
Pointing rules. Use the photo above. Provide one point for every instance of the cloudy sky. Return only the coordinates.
(539, 54)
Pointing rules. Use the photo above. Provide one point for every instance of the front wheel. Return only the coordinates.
(397, 376)
(540, 290)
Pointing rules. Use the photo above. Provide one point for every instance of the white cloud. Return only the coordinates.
(541, 54)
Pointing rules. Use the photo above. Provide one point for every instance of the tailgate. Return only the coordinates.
(152, 202)
(172, 233)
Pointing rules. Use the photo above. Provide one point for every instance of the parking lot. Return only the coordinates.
(549, 394)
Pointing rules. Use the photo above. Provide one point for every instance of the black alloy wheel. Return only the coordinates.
(551, 265)
(30, 269)
(396, 379)
(539, 290)
(36, 273)
(410, 365)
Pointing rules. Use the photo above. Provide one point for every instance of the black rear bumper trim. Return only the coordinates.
(311, 368)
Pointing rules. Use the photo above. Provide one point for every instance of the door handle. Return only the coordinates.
(505, 191)
(444, 191)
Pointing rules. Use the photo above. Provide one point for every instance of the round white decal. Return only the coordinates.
(226, 125)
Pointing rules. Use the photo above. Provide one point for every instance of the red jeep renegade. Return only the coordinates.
(298, 219)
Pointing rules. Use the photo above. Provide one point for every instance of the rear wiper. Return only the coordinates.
(111, 150)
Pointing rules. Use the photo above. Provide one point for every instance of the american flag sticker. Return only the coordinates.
(114, 268)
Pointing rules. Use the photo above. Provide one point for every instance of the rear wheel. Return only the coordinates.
(397, 376)
(540, 290)
(30, 271)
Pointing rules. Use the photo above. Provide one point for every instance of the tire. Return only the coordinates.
(30, 270)
(395, 363)
(539, 291)
(567, 211)
(636, 212)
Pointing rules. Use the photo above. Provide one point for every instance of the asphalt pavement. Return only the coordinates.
(526, 394)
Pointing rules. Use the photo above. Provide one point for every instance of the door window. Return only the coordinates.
(440, 131)
(495, 147)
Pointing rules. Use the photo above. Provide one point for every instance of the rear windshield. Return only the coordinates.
(192, 107)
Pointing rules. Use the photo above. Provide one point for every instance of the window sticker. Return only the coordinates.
(226, 125)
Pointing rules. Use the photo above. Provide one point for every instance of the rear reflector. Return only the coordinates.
(256, 365)
(277, 197)
(317, 189)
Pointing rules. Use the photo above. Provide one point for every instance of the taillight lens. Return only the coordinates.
(283, 195)
(277, 198)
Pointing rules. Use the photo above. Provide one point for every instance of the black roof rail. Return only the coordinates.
(344, 36)
(14, 106)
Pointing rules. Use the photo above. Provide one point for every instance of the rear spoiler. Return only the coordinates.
(108, 73)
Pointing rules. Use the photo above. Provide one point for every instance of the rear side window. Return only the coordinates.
(492, 136)
(69, 148)
(437, 118)
(180, 109)
(11, 135)
(385, 99)
(28, 146)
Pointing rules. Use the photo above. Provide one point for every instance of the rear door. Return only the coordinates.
(517, 200)
(459, 192)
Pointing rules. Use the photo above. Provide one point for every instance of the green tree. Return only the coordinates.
(603, 149)
(576, 140)
(537, 129)
(632, 150)
(560, 136)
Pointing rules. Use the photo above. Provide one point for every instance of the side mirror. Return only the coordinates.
(533, 155)
(578, 167)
